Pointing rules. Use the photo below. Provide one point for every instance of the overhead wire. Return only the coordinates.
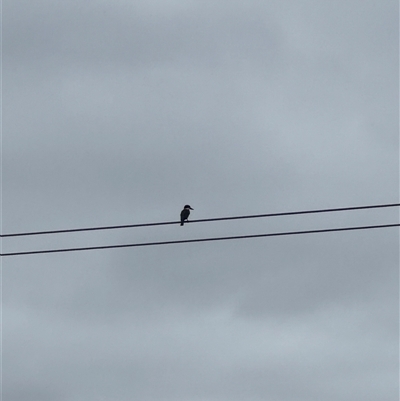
(143, 244)
(254, 216)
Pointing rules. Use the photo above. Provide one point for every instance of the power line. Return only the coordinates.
(254, 216)
(278, 234)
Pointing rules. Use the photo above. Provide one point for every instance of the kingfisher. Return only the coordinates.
(185, 213)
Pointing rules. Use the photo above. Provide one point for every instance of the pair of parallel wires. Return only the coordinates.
(208, 239)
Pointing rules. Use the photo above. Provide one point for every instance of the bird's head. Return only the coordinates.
(188, 207)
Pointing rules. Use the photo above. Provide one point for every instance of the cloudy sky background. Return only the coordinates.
(122, 111)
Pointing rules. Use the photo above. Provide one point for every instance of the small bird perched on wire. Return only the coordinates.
(185, 213)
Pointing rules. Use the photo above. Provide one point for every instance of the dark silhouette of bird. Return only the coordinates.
(185, 213)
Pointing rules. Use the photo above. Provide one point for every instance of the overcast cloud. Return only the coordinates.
(121, 112)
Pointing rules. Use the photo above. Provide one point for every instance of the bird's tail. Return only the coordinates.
(181, 223)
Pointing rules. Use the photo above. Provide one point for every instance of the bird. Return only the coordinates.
(185, 213)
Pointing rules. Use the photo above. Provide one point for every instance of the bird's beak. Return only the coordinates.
(191, 208)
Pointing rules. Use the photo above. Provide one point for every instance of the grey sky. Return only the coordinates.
(121, 112)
